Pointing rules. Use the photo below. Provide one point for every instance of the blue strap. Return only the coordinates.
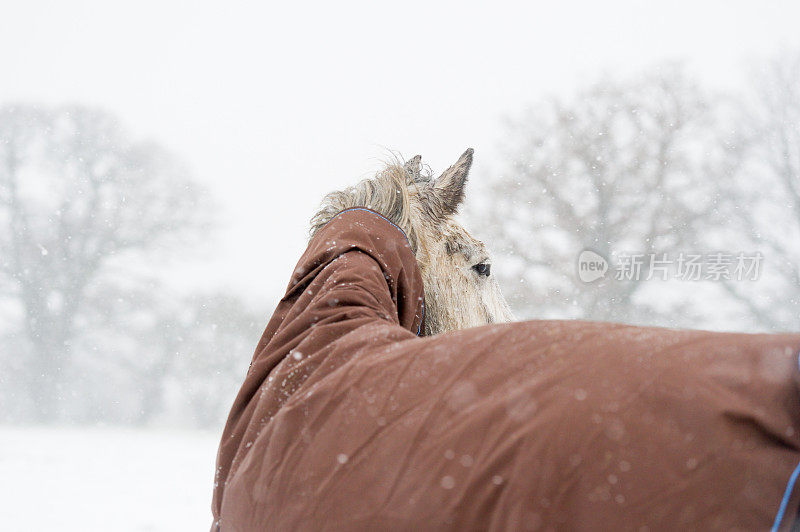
(787, 494)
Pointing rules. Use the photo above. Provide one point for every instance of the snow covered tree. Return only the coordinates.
(78, 200)
(623, 167)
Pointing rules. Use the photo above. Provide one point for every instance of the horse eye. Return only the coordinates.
(483, 268)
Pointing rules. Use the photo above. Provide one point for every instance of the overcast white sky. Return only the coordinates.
(274, 104)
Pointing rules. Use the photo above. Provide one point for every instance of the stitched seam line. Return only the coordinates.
(371, 212)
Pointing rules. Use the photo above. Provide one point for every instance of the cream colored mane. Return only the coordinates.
(387, 193)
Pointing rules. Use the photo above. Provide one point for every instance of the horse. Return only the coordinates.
(348, 421)
(456, 267)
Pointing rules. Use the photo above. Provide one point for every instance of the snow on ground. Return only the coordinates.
(105, 479)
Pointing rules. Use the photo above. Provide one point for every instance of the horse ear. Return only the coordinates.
(413, 167)
(449, 187)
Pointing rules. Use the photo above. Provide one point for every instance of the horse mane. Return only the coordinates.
(388, 193)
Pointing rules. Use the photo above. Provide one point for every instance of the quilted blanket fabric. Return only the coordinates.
(349, 420)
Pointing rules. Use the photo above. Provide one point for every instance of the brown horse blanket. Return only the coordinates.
(348, 420)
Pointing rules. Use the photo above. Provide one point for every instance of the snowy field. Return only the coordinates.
(105, 479)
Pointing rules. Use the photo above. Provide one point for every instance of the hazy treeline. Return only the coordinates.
(654, 164)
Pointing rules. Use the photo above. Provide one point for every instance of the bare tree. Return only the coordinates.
(622, 167)
(76, 197)
(764, 201)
